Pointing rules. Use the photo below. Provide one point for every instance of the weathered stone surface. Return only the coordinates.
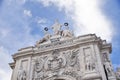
(118, 73)
(62, 56)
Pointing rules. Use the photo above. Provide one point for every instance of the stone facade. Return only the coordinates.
(118, 73)
(62, 56)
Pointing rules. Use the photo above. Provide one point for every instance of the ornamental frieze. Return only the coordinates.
(58, 63)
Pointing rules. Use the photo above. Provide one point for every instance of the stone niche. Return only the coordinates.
(62, 56)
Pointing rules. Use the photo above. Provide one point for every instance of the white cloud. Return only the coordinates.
(86, 15)
(5, 75)
(4, 32)
(5, 58)
(40, 20)
(9, 37)
(14, 34)
(21, 1)
(27, 13)
(89, 14)
(67, 5)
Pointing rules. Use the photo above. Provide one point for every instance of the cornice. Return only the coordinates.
(77, 41)
(12, 65)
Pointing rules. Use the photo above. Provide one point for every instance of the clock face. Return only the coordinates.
(46, 29)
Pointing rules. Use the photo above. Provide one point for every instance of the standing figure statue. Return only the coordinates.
(108, 68)
(56, 28)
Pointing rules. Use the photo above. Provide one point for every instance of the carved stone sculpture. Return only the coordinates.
(74, 62)
(105, 57)
(38, 76)
(44, 39)
(38, 65)
(89, 62)
(54, 64)
(69, 71)
(38, 73)
(109, 69)
(21, 74)
(66, 33)
(56, 28)
(118, 73)
(59, 55)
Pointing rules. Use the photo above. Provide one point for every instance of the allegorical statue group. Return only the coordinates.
(66, 33)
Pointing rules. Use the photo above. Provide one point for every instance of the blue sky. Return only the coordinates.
(112, 11)
(22, 23)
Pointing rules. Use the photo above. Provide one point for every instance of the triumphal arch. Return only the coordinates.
(62, 56)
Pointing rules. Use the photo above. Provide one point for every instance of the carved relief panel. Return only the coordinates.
(38, 72)
(88, 59)
(73, 59)
(55, 61)
(58, 63)
(22, 71)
